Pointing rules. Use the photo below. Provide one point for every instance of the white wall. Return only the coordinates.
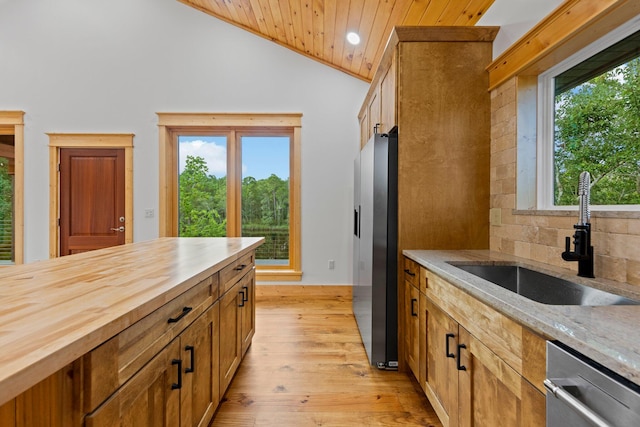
(515, 18)
(109, 66)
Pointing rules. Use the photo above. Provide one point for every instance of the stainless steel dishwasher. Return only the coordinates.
(580, 392)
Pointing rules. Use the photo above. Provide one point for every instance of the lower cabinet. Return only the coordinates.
(412, 328)
(149, 398)
(178, 387)
(248, 311)
(200, 393)
(469, 385)
(230, 338)
(477, 367)
(237, 327)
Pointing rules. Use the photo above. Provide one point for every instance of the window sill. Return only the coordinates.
(574, 212)
(266, 275)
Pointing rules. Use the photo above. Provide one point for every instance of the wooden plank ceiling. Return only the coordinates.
(318, 28)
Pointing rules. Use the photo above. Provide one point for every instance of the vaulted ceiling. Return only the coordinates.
(318, 28)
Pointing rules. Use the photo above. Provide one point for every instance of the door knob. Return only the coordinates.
(120, 229)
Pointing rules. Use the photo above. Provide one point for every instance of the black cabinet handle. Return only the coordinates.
(409, 272)
(240, 267)
(245, 294)
(242, 300)
(413, 313)
(185, 311)
(192, 352)
(449, 354)
(177, 385)
(460, 367)
(355, 222)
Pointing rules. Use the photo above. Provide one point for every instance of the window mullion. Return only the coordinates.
(234, 185)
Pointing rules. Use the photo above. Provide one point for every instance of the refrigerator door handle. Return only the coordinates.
(356, 223)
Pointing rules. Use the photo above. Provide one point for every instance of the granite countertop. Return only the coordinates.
(607, 334)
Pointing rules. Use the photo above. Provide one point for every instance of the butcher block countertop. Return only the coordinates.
(607, 334)
(54, 311)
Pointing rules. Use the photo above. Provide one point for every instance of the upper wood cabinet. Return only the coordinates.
(433, 84)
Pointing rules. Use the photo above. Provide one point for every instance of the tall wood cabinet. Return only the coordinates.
(433, 85)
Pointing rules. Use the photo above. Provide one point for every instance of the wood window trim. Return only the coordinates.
(170, 124)
(87, 140)
(12, 123)
(569, 28)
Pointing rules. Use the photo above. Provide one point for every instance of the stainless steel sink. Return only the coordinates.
(544, 288)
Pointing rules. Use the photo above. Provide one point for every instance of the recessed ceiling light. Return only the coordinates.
(353, 38)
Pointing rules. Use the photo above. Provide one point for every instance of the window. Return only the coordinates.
(11, 187)
(234, 175)
(590, 120)
(7, 184)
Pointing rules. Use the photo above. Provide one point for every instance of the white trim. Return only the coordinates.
(545, 128)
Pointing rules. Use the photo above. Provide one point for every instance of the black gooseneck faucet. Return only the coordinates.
(583, 251)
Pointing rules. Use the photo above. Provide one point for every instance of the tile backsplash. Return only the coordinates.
(540, 235)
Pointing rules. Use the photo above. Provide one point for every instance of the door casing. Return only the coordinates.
(60, 140)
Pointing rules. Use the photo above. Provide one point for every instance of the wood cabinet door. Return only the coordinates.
(364, 125)
(374, 112)
(150, 398)
(491, 393)
(200, 394)
(412, 325)
(442, 373)
(388, 98)
(248, 311)
(230, 335)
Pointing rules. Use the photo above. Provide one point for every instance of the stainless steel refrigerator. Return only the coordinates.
(375, 257)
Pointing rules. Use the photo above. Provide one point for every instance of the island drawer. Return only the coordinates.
(110, 365)
(234, 271)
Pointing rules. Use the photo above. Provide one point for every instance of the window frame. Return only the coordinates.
(12, 123)
(546, 118)
(173, 124)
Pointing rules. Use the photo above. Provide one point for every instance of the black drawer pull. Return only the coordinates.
(240, 267)
(185, 311)
(413, 313)
(460, 366)
(449, 354)
(245, 294)
(242, 301)
(409, 272)
(177, 385)
(192, 352)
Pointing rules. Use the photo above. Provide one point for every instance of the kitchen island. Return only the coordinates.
(76, 331)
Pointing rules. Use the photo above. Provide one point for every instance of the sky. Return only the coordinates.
(261, 156)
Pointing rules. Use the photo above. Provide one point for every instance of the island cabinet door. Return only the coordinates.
(200, 392)
(491, 393)
(149, 398)
(442, 376)
(230, 334)
(248, 310)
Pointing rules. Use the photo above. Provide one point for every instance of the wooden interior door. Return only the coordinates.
(92, 199)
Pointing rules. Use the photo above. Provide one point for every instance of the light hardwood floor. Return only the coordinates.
(307, 367)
